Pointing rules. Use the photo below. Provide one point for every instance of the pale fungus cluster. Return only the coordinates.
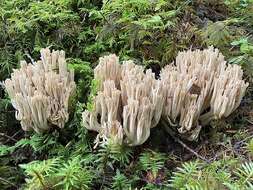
(199, 87)
(40, 92)
(128, 103)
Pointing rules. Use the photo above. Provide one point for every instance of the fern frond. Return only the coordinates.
(152, 161)
(245, 174)
(184, 174)
(38, 142)
(120, 181)
(39, 173)
(72, 175)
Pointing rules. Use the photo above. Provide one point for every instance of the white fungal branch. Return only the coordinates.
(128, 104)
(40, 92)
(201, 81)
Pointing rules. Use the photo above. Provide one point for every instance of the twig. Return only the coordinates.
(10, 183)
(6, 136)
(173, 135)
(13, 136)
(190, 150)
(242, 141)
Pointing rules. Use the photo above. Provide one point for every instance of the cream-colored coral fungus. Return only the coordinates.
(40, 92)
(200, 86)
(128, 103)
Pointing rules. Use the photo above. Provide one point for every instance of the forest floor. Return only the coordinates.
(151, 33)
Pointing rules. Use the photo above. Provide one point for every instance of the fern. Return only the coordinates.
(39, 173)
(5, 150)
(111, 154)
(37, 142)
(217, 175)
(120, 181)
(245, 175)
(73, 176)
(217, 34)
(183, 175)
(56, 173)
(250, 146)
(95, 84)
(152, 161)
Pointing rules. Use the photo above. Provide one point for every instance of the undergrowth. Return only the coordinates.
(150, 32)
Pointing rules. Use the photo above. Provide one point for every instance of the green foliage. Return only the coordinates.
(9, 177)
(217, 34)
(250, 146)
(4, 103)
(148, 31)
(244, 55)
(245, 46)
(244, 177)
(223, 174)
(39, 172)
(120, 181)
(83, 77)
(133, 27)
(111, 154)
(242, 10)
(95, 85)
(73, 176)
(5, 150)
(152, 161)
(37, 142)
(26, 26)
(56, 173)
(182, 177)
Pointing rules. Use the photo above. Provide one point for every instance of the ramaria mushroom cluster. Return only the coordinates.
(40, 92)
(128, 103)
(199, 87)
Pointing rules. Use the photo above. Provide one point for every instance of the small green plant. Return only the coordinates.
(250, 147)
(57, 173)
(152, 161)
(72, 175)
(244, 177)
(151, 32)
(221, 174)
(37, 142)
(244, 56)
(39, 172)
(95, 84)
(120, 181)
(83, 77)
(152, 166)
(217, 34)
(111, 154)
(245, 46)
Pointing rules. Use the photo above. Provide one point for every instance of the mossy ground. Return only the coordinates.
(151, 33)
